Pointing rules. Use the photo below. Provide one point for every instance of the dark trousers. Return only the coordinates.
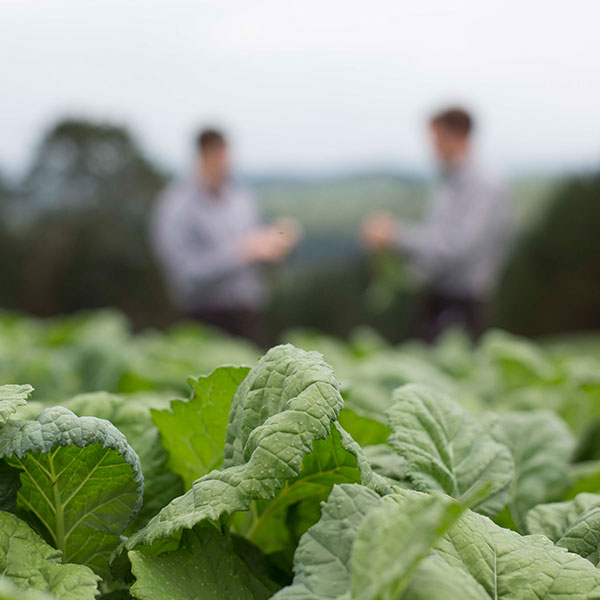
(439, 312)
(239, 322)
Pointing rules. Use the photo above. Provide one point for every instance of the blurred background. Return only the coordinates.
(326, 105)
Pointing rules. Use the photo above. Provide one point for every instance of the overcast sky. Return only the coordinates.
(313, 85)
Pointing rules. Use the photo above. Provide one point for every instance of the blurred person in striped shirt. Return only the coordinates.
(459, 247)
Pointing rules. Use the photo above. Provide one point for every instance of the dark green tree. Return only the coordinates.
(552, 280)
(88, 195)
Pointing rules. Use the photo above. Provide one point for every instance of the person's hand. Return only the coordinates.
(270, 244)
(379, 231)
(289, 233)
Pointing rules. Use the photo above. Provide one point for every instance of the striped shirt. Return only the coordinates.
(460, 246)
(195, 235)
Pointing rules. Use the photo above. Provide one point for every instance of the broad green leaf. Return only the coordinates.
(322, 559)
(435, 579)
(81, 482)
(131, 416)
(509, 566)
(193, 431)
(363, 429)
(11, 397)
(365, 547)
(574, 525)
(335, 460)
(28, 562)
(9, 591)
(394, 538)
(204, 567)
(541, 446)
(446, 450)
(286, 403)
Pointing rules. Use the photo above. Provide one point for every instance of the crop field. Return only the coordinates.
(185, 465)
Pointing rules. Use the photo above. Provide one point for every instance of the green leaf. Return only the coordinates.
(509, 566)
(81, 482)
(285, 403)
(446, 450)
(518, 362)
(205, 567)
(435, 579)
(365, 547)
(334, 460)
(131, 416)
(541, 446)
(584, 478)
(193, 431)
(365, 430)
(574, 525)
(9, 591)
(394, 538)
(11, 397)
(322, 560)
(28, 562)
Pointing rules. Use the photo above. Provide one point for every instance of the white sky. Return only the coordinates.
(308, 85)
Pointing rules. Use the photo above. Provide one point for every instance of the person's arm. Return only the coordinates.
(454, 234)
(191, 264)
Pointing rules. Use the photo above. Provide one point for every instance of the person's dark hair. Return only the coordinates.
(209, 139)
(455, 118)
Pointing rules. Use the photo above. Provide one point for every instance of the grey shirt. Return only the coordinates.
(195, 235)
(460, 246)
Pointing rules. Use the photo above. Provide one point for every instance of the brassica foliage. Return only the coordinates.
(411, 473)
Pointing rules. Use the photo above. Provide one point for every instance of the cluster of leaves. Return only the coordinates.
(95, 351)
(411, 480)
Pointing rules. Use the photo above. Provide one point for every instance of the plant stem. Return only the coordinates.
(60, 515)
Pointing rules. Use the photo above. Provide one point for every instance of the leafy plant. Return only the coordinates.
(411, 473)
(26, 560)
(447, 450)
(282, 447)
(80, 482)
(11, 397)
(193, 431)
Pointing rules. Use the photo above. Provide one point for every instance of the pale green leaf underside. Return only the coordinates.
(11, 397)
(394, 538)
(193, 431)
(509, 566)
(365, 547)
(28, 562)
(81, 483)
(574, 525)
(435, 579)
(322, 559)
(205, 567)
(285, 403)
(446, 450)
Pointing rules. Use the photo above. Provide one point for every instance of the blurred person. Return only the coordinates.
(459, 247)
(212, 245)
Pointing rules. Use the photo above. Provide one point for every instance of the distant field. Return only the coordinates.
(338, 205)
